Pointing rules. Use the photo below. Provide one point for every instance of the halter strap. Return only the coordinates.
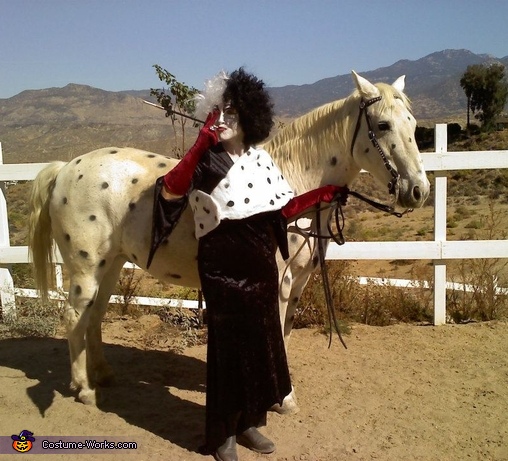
(372, 136)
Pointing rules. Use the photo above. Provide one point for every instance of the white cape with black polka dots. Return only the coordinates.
(253, 185)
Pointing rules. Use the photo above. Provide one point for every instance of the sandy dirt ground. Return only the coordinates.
(403, 392)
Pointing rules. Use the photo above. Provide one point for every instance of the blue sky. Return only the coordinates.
(112, 44)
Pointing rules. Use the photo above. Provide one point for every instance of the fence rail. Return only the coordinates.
(439, 250)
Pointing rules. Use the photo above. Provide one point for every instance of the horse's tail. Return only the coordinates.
(40, 235)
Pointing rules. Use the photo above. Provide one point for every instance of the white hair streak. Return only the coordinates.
(211, 95)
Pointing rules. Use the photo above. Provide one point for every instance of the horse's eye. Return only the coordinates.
(383, 126)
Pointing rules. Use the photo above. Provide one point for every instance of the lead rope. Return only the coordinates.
(335, 210)
(332, 318)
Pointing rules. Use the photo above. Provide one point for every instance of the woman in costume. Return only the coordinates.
(241, 204)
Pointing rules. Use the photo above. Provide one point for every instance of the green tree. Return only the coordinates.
(486, 91)
(177, 100)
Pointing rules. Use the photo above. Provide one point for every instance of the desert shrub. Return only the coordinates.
(34, 318)
(188, 323)
(371, 304)
(481, 299)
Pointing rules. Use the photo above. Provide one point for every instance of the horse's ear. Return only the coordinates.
(366, 89)
(400, 83)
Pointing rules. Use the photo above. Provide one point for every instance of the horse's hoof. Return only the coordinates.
(87, 397)
(289, 405)
(287, 408)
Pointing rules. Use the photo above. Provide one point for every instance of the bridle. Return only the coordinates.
(364, 105)
(335, 210)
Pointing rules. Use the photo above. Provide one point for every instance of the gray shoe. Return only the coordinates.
(227, 451)
(255, 441)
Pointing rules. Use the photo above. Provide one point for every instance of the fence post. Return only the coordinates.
(440, 196)
(7, 297)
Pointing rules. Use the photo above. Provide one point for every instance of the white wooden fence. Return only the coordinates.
(438, 250)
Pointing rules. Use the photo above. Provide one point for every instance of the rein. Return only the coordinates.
(336, 215)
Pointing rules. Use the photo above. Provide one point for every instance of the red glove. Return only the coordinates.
(179, 178)
(324, 194)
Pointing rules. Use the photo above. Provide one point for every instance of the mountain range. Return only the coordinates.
(61, 123)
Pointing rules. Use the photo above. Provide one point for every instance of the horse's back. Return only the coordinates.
(101, 195)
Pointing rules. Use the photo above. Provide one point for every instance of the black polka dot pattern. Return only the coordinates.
(253, 185)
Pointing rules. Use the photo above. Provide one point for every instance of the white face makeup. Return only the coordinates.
(228, 125)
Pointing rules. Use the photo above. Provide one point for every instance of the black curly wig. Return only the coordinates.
(249, 97)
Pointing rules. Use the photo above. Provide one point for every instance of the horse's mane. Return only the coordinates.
(324, 130)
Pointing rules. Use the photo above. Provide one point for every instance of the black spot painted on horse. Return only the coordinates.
(80, 177)
(247, 200)
(78, 161)
(162, 165)
(132, 206)
(135, 181)
(134, 257)
(64, 200)
(102, 263)
(231, 203)
(366, 150)
(394, 146)
(67, 237)
(333, 161)
(294, 238)
(151, 155)
(287, 280)
(83, 254)
(89, 304)
(104, 185)
(175, 276)
(113, 152)
(77, 290)
(92, 217)
(296, 299)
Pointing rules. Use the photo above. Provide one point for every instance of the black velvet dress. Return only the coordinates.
(247, 369)
(246, 362)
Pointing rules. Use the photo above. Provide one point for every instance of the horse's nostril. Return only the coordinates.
(417, 193)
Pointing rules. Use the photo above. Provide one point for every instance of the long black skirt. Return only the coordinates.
(247, 369)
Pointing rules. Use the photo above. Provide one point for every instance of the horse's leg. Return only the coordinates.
(289, 405)
(293, 278)
(82, 293)
(99, 369)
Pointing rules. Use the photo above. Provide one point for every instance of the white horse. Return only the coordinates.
(98, 209)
